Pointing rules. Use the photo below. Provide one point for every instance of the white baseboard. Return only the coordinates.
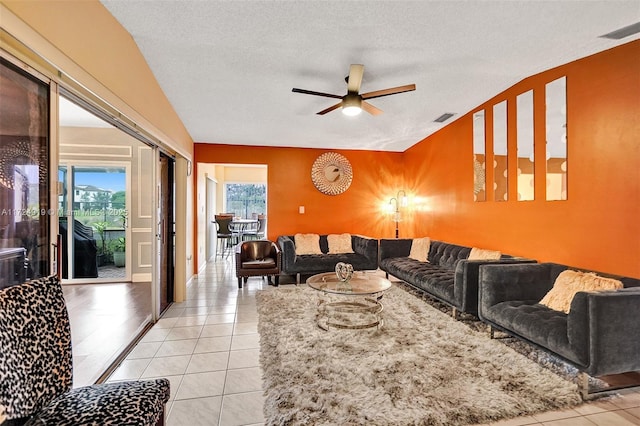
(190, 280)
(144, 277)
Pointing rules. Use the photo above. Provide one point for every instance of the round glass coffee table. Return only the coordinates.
(362, 310)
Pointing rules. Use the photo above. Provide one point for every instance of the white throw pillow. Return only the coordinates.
(482, 254)
(307, 244)
(339, 243)
(420, 249)
(569, 282)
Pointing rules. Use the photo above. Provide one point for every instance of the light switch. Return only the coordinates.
(301, 209)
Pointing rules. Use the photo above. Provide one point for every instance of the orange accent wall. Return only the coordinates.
(598, 227)
(359, 210)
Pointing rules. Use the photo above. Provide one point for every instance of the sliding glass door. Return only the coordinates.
(93, 221)
(24, 179)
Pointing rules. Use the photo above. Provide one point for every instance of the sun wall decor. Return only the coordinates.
(331, 173)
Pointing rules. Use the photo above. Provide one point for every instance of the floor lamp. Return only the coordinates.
(394, 206)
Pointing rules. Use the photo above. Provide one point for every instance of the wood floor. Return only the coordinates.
(105, 319)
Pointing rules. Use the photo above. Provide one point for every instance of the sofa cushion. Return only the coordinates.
(483, 254)
(446, 254)
(315, 263)
(307, 244)
(420, 249)
(569, 282)
(259, 264)
(339, 243)
(127, 403)
(433, 279)
(536, 323)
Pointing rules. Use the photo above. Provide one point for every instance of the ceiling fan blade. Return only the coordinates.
(331, 108)
(370, 108)
(355, 78)
(387, 92)
(310, 92)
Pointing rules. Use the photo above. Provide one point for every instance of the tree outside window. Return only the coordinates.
(245, 200)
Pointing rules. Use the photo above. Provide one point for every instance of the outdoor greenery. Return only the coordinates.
(118, 245)
(101, 228)
(105, 213)
(118, 200)
(246, 199)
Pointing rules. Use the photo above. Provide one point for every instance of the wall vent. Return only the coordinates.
(623, 32)
(444, 117)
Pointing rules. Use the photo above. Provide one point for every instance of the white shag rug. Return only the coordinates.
(421, 368)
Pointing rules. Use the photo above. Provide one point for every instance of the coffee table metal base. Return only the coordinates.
(353, 315)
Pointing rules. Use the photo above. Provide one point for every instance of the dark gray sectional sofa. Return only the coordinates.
(448, 276)
(600, 335)
(365, 256)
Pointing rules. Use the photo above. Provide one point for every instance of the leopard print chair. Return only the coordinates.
(36, 369)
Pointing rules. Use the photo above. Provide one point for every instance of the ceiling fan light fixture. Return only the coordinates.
(351, 110)
(351, 105)
(353, 102)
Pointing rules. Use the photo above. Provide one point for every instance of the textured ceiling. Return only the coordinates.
(228, 67)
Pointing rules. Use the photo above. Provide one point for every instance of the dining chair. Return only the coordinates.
(258, 230)
(224, 233)
(237, 229)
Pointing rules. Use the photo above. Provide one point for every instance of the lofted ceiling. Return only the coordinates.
(228, 67)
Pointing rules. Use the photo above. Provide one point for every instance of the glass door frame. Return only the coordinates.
(49, 243)
(69, 164)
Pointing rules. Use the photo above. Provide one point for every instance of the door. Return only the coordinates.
(25, 210)
(166, 230)
(93, 222)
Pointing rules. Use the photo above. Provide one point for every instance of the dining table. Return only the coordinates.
(243, 226)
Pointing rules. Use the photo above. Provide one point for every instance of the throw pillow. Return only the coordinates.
(339, 243)
(420, 249)
(307, 244)
(569, 282)
(482, 254)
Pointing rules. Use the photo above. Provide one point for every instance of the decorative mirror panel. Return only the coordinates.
(479, 158)
(524, 129)
(556, 137)
(500, 170)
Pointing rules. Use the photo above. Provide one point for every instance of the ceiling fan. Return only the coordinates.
(353, 102)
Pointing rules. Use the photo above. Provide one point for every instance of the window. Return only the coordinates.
(246, 200)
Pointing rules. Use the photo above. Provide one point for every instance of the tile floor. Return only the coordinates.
(208, 347)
